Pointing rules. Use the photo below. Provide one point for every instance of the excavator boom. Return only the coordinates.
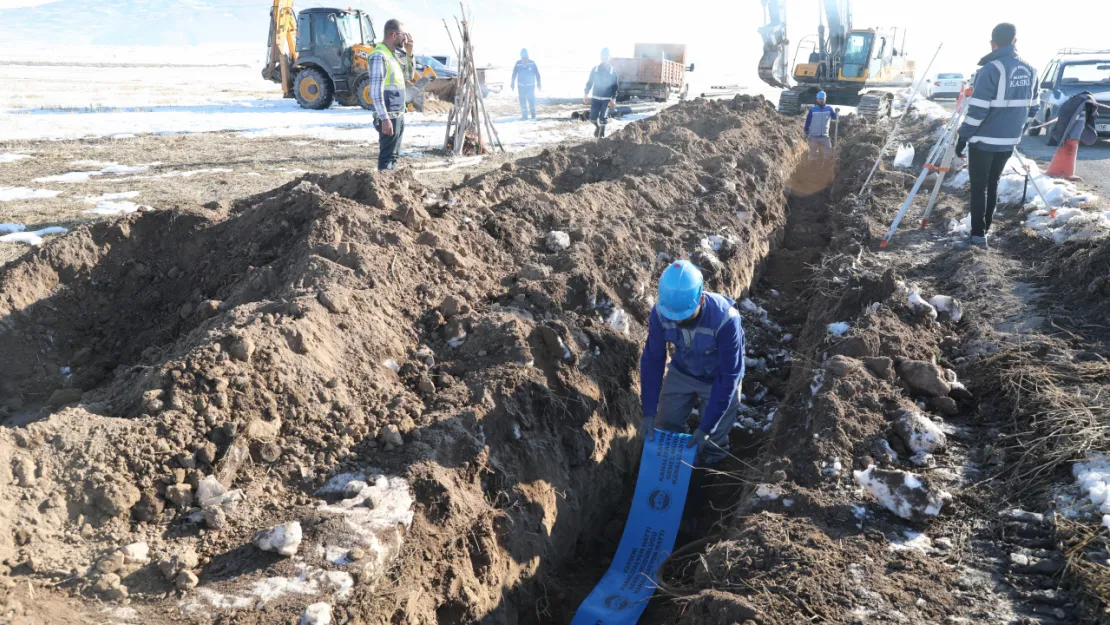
(774, 66)
(282, 45)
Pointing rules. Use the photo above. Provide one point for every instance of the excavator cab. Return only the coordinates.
(332, 48)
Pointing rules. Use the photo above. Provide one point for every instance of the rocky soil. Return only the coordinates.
(359, 399)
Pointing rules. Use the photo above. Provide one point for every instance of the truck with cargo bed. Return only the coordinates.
(656, 70)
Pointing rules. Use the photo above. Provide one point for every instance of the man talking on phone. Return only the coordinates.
(389, 64)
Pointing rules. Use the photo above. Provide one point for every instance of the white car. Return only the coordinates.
(946, 86)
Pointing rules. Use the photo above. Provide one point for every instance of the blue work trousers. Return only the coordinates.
(527, 101)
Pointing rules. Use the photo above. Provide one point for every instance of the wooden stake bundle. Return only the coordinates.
(468, 121)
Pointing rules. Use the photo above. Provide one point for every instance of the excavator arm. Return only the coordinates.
(282, 45)
(774, 65)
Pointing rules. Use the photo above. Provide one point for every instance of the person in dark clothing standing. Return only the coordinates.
(604, 83)
(996, 116)
(527, 75)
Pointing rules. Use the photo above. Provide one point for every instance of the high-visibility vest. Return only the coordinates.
(393, 84)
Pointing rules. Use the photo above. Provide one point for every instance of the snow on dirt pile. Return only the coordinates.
(420, 383)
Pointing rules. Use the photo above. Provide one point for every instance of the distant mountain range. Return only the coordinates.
(136, 23)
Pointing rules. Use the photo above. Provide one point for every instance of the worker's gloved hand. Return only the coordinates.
(512, 87)
(649, 428)
(612, 104)
(700, 438)
(961, 148)
(408, 44)
(585, 100)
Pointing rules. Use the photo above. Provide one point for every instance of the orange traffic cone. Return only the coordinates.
(1063, 162)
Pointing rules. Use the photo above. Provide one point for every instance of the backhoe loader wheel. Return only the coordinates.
(345, 98)
(362, 92)
(313, 89)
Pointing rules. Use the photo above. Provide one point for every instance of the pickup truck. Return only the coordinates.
(1069, 73)
(655, 70)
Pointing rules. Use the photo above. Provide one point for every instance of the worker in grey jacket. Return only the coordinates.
(604, 83)
(996, 116)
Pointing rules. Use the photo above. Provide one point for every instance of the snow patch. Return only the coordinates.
(114, 208)
(840, 328)
(913, 541)
(619, 320)
(9, 228)
(377, 512)
(903, 493)
(920, 306)
(317, 614)
(11, 157)
(308, 581)
(11, 194)
(283, 539)
(33, 239)
(768, 491)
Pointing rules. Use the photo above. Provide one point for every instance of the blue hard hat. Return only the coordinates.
(605, 52)
(524, 52)
(680, 289)
(820, 95)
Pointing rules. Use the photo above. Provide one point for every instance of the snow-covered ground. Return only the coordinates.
(1069, 216)
(57, 103)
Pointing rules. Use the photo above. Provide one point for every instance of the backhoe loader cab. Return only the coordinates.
(319, 55)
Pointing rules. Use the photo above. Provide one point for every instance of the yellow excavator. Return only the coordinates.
(319, 56)
(854, 67)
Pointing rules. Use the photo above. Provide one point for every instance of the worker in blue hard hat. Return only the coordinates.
(706, 368)
(818, 120)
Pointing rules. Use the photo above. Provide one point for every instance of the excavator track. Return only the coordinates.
(790, 103)
(874, 106)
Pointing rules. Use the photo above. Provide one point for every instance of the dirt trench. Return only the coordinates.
(440, 388)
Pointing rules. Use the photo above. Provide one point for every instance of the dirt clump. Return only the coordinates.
(437, 394)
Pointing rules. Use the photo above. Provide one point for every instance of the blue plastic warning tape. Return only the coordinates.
(622, 594)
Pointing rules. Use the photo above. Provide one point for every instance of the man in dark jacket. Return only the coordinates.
(996, 116)
(528, 76)
(604, 83)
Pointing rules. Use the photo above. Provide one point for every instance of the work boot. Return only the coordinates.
(973, 241)
(601, 131)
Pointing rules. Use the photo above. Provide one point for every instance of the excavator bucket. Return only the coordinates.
(774, 66)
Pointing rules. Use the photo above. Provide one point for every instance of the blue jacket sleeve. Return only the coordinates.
(590, 82)
(809, 118)
(516, 70)
(986, 88)
(832, 112)
(730, 370)
(652, 364)
(536, 71)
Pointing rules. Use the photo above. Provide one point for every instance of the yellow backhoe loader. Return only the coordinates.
(319, 56)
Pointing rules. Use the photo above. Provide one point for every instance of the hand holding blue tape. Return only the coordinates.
(623, 592)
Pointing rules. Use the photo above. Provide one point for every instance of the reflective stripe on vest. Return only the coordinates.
(393, 83)
(688, 335)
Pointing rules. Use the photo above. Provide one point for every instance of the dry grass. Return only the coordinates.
(1056, 407)
(1059, 415)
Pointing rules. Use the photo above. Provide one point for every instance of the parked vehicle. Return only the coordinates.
(1070, 72)
(945, 86)
(657, 70)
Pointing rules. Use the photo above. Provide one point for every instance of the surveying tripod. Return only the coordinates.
(945, 150)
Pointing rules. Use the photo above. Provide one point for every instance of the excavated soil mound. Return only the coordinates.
(440, 389)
